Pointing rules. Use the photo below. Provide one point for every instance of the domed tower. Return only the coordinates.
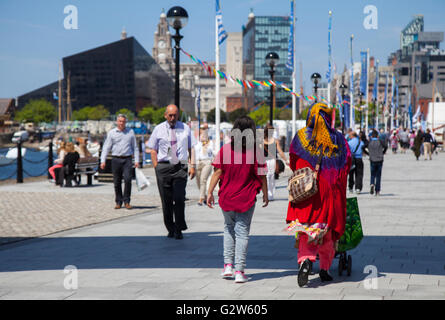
(162, 47)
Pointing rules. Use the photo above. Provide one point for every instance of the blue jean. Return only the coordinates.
(236, 237)
(376, 174)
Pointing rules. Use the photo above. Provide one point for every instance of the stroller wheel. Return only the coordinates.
(341, 265)
(349, 269)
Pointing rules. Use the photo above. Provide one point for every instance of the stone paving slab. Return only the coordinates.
(131, 257)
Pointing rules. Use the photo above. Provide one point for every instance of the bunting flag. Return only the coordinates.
(249, 84)
(222, 34)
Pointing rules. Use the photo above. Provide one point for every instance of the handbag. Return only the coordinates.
(302, 185)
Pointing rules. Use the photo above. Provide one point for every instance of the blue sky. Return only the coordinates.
(33, 38)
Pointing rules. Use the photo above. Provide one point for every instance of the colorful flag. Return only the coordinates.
(222, 34)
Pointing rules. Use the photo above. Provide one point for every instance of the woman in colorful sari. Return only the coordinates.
(319, 221)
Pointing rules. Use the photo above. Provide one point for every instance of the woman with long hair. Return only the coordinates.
(240, 179)
(319, 221)
(58, 163)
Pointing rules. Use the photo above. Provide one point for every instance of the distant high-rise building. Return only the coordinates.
(261, 35)
(419, 67)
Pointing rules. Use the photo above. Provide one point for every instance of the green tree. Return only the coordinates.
(235, 114)
(147, 113)
(261, 116)
(98, 112)
(37, 111)
(128, 113)
(211, 116)
(158, 115)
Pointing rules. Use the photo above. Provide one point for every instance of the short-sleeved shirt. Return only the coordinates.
(160, 140)
(239, 182)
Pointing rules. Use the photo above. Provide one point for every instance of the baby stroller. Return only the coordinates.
(351, 238)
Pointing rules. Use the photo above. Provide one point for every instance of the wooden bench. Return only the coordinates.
(87, 166)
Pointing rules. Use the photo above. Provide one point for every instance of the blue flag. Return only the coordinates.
(364, 73)
(290, 50)
(375, 93)
(222, 34)
(328, 74)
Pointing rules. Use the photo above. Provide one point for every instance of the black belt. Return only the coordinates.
(121, 157)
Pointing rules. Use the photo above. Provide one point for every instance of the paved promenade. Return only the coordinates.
(129, 256)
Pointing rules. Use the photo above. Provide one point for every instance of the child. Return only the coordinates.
(240, 180)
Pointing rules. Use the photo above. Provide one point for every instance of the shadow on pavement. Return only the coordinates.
(398, 254)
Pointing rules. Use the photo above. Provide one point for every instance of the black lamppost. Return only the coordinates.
(361, 109)
(177, 18)
(316, 77)
(271, 60)
(343, 88)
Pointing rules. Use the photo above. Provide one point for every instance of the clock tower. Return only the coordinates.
(162, 47)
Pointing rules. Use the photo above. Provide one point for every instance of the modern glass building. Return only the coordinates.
(261, 35)
(120, 74)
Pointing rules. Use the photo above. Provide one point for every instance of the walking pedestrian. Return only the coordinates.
(271, 150)
(356, 173)
(394, 140)
(427, 144)
(412, 136)
(241, 178)
(376, 150)
(121, 141)
(418, 140)
(172, 151)
(320, 220)
(403, 137)
(204, 156)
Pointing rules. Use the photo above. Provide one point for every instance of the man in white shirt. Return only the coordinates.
(171, 147)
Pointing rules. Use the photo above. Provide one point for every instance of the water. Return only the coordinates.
(35, 164)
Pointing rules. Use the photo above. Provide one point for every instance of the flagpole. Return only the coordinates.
(329, 52)
(217, 111)
(294, 78)
(351, 106)
(367, 94)
(385, 120)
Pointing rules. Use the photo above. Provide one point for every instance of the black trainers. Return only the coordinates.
(372, 189)
(324, 276)
(303, 274)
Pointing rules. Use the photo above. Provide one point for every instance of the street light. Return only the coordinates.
(177, 18)
(272, 60)
(343, 88)
(316, 77)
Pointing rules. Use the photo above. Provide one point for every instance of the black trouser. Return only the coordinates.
(122, 168)
(172, 181)
(356, 174)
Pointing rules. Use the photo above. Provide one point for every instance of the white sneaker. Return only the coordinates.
(357, 191)
(240, 277)
(228, 271)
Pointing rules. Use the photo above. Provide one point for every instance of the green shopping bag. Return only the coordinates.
(353, 230)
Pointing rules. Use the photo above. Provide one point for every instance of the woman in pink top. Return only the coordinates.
(240, 180)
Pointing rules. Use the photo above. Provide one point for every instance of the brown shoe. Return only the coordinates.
(118, 206)
(128, 206)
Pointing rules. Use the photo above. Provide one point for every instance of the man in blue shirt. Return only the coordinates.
(121, 141)
(356, 172)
